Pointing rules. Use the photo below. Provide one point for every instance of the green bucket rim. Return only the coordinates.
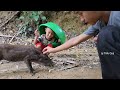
(59, 33)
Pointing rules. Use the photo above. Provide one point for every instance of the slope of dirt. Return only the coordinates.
(79, 62)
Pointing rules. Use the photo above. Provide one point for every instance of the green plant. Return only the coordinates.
(30, 21)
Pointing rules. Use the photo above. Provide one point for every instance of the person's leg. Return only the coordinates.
(108, 45)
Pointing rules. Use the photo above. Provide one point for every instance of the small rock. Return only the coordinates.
(19, 77)
(26, 44)
(85, 50)
(4, 28)
(90, 67)
(50, 70)
(38, 77)
(95, 63)
(1, 62)
(11, 31)
(90, 54)
(11, 78)
(17, 66)
(4, 61)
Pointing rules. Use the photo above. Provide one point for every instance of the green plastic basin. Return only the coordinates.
(59, 33)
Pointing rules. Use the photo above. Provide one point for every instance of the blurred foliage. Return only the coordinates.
(30, 22)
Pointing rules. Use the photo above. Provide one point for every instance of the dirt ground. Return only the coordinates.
(81, 67)
(79, 62)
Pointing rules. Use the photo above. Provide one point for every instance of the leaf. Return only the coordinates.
(30, 29)
(36, 17)
(25, 33)
(43, 18)
(40, 12)
(27, 17)
(23, 29)
(21, 17)
(37, 23)
(26, 24)
(20, 32)
(34, 13)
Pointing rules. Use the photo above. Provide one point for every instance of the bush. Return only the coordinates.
(30, 22)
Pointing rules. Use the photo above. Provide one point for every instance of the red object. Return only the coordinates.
(41, 45)
(50, 45)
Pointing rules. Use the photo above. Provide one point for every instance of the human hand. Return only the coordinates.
(47, 50)
(95, 38)
(36, 33)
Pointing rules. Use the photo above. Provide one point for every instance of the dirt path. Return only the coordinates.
(75, 73)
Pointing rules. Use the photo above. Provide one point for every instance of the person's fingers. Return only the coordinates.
(45, 52)
(36, 31)
(45, 49)
(95, 39)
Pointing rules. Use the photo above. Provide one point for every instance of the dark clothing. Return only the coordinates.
(108, 45)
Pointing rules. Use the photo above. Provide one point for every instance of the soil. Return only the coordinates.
(78, 62)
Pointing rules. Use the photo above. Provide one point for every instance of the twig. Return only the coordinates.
(16, 34)
(6, 36)
(13, 37)
(67, 61)
(69, 67)
(9, 19)
(9, 36)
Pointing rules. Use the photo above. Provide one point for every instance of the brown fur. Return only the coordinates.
(24, 53)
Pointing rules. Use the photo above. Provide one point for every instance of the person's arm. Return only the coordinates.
(68, 44)
(36, 36)
(35, 40)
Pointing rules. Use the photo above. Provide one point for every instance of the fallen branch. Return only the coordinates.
(69, 67)
(67, 61)
(13, 37)
(6, 36)
(9, 19)
(9, 36)
(15, 34)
